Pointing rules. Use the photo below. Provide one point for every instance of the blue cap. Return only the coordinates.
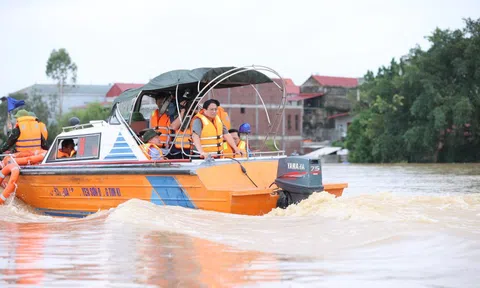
(245, 128)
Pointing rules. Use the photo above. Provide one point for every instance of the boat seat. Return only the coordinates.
(138, 122)
(138, 126)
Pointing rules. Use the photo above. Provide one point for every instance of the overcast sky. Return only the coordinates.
(134, 41)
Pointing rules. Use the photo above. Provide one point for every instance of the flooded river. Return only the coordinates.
(396, 226)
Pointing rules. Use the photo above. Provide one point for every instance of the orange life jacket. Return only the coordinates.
(212, 137)
(228, 151)
(30, 138)
(224, 116)
(163, 123)
(183, 140)
(146, 149)
(61, 154)
(43, 129)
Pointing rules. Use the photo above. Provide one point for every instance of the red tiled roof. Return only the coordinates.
(118, 88)
(304, 96)
(290, 87)
(338, 115)
(329, 81)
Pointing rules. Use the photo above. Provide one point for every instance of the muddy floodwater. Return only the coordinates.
(396, 226)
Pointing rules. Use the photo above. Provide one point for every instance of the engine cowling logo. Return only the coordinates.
(296, 166)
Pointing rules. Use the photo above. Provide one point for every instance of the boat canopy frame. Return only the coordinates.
(180, 83)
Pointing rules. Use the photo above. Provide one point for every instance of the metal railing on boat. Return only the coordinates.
(82, 126)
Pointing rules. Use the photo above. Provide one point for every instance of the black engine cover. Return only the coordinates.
(299, 176)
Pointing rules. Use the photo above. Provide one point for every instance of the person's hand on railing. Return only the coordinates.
(239, 152)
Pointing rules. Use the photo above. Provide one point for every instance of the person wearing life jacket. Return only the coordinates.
(228, 151)
(208, 131)
(224, 116)
(151, 148)
(180, 134)
(26, 136)
(43, 127)
(245, 130)
(160, 120)
(67, 150)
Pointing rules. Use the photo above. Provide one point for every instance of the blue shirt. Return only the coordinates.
(154, 154)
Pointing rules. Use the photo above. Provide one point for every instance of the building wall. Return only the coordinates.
(311, 86)
(316, 123)
(258, 120)
(341, 124)
(247, 94)
(78, 95)
(243, 105)
(113, 92)
(75, 100)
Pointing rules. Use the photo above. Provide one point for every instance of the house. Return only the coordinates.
(119, 88)
(73, 96)
(326, 107)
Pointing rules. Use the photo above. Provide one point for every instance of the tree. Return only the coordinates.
(425, 108)
(60, 67)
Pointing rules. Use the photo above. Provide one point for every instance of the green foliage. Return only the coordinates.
(358, 142)
(60, 66)
(424, 108)
(270, 145)
(93, 111)
(338, 143)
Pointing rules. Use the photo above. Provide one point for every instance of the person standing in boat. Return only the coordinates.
(209, 131)
(160, 120)
(151, 147)
(224, 117)
(166, 120)
(26, 136)
(178, 126)
(228, 151)
(43, 127)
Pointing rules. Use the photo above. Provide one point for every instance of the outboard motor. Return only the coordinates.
(298, 177)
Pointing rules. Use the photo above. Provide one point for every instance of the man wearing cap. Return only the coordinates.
(43, 127)
(151, 147)
(26, 136)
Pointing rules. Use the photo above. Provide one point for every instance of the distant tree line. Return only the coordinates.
(424, 107)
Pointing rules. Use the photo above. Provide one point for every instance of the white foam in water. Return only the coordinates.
(16, 211)
(332, 223)
(387, 207)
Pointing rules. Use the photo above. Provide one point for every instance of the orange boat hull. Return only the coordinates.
(67, 191)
